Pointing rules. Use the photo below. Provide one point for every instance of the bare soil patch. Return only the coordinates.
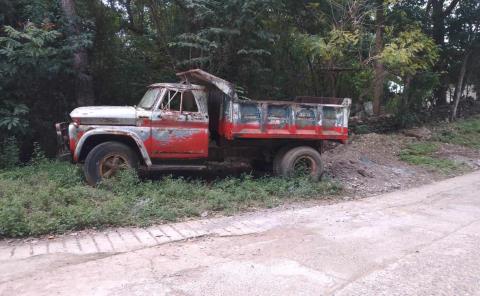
(370, 164)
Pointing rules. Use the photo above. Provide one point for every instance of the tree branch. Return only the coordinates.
(450, 7)
(429, 6)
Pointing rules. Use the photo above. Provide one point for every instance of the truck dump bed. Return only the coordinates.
(309, 118)
(283, 119)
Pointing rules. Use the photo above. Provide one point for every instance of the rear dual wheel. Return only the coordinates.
(298, 161)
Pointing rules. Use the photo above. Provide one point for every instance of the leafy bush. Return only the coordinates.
(50, 197)
(13, 124)
(13, 117)
(9, 152)
(362, 129)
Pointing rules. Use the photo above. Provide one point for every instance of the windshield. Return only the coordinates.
(149, 98)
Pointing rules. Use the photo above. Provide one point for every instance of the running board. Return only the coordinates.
(168, 167)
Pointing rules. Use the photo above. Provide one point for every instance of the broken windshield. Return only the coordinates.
(149, 98)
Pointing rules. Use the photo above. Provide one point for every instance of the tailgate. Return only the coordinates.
(63, 150)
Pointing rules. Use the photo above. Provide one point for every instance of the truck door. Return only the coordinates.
(179, 128)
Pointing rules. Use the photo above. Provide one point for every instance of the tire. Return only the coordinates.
(305, 158)
(278, 159)
(105, 159)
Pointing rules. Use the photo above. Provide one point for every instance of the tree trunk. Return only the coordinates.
(459, 87)
(83, 80)
(161, 37)
(379, 68)
(438, 35)
(439, 14)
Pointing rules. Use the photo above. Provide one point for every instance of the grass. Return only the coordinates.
(423, 154)
(465, 132)
(49, 197)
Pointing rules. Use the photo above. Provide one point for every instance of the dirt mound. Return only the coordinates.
(369, 165)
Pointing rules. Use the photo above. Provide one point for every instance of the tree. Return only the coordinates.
(407, 56)
(230, 39)
(31, 55)
(84, 94)
(438, 14)
(464, 36)
(379, 68)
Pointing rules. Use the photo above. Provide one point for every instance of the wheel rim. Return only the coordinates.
(304, 166)
(111, 164)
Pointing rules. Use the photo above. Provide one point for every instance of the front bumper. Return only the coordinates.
(63, 145)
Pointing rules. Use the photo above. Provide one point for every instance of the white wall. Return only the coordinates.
(469, 91)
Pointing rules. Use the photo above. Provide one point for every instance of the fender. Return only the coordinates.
(112, 131)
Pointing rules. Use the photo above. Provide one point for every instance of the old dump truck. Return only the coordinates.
(200, 122)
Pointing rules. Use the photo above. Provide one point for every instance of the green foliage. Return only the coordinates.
(410, 52)
(50, 197)
(32, 60)
(335, 46)
(409, 58)
(362, 129)
(13, 118)
(26, 48)
(422, 148)
(231, 39)
(9, 152)
(423, 154)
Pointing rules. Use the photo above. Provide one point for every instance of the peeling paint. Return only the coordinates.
(280, 119)
(172, 134)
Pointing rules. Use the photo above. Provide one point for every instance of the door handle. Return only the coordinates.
(143, 117)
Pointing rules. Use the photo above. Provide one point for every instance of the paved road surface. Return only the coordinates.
(424, 241)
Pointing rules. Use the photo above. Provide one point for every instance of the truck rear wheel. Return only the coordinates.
(277, 160)
(106, 159)
(301, 161)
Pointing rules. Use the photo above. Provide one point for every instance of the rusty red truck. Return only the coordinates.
(199, 122)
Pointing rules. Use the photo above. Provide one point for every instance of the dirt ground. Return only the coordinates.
(370, 165)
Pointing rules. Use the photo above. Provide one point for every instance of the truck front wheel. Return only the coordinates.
(301, 161)
(106, 159)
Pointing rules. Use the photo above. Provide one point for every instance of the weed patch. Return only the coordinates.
(464, 132)
(50, 197)
(423, 154)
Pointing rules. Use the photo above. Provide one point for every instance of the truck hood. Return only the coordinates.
(105, 115)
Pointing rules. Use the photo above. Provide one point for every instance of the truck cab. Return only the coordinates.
(177, 117)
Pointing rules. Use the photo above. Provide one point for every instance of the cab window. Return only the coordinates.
(149, 98)
(188, 102)
(175, 100)
(171, 101)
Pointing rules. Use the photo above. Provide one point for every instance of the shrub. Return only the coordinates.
(9, 153)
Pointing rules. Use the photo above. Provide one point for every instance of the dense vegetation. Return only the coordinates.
(402, 55)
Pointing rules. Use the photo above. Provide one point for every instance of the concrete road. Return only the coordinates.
(424, 241)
